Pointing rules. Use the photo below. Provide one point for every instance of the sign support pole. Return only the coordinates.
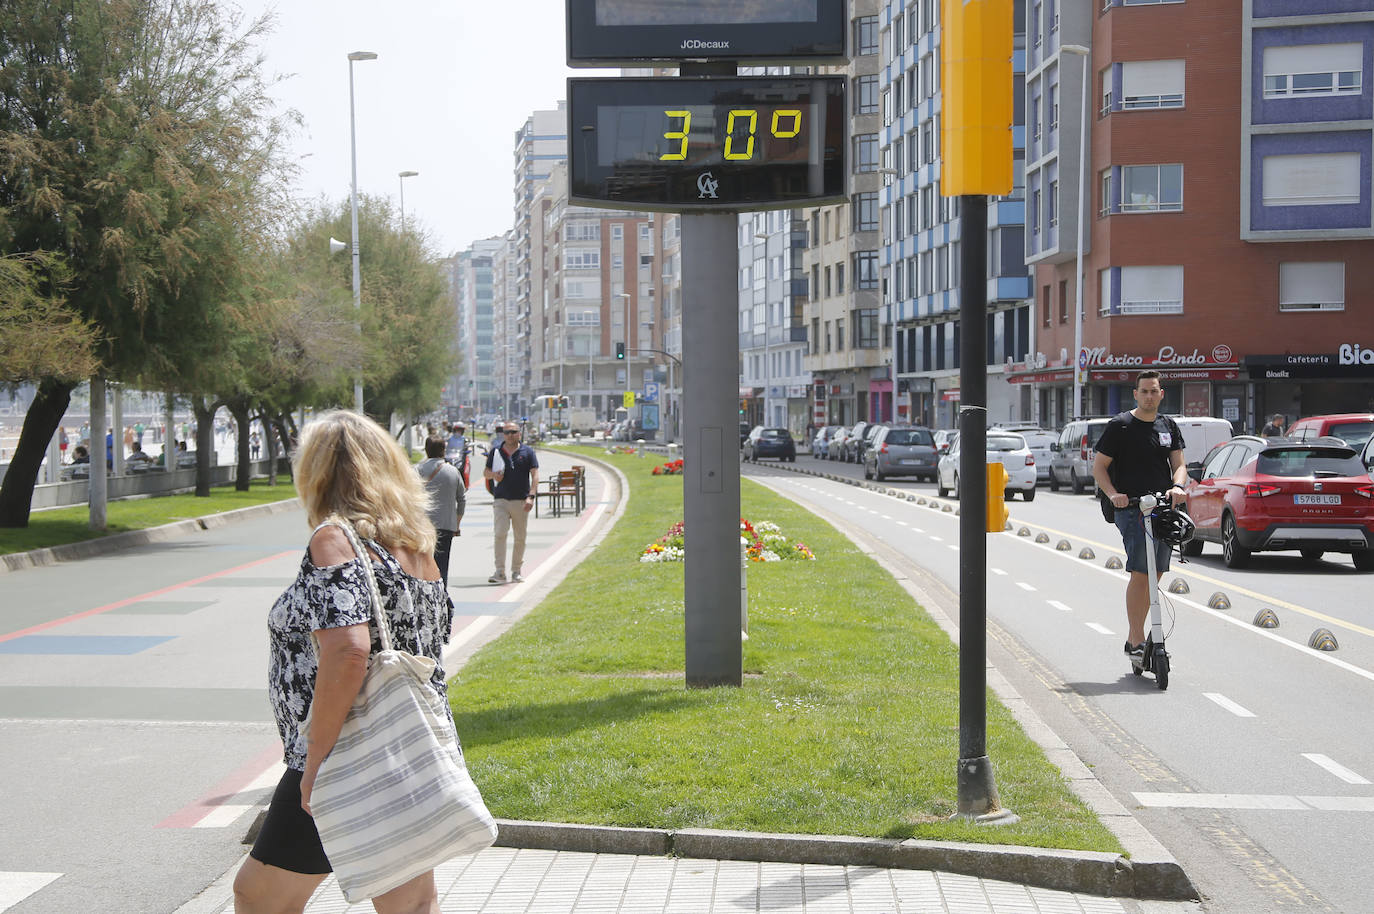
(710, 433)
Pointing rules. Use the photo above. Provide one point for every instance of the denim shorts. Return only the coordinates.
(1133, 540)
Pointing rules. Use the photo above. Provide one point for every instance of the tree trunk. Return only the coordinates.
(40, 423)
(243, 477)
(284, 427)
(205, 443)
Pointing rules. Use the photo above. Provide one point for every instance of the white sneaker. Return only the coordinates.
(498, 578)
(517, 577)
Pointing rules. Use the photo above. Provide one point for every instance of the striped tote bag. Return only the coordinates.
(393, 798)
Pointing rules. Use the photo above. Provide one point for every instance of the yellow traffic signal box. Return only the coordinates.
(976, 103)
(997, 505)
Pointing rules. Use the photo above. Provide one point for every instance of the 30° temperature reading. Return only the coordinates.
(741, 127)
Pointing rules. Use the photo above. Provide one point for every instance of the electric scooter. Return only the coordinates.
(1155, 658)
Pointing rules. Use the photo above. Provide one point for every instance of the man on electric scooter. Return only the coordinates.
(1140, 452)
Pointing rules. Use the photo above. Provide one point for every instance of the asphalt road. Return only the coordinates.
(1254, 766)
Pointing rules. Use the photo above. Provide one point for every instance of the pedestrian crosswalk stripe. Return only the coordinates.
(15, 887)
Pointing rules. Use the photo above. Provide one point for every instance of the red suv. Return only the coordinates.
(1352, 428)
(1258, 494)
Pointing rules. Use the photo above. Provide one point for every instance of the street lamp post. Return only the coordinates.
(892, 315)
(357, 281)
(1079, 369)
(402, 176)
(767, 345)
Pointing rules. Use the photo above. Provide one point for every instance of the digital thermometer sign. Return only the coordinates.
(710, 143)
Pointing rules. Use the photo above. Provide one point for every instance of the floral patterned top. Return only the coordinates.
(419, 612)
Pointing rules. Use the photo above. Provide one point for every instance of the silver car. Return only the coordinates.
(901, 451)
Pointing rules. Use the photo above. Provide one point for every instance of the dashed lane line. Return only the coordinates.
(1228, 704)
(1060, 606)
(1339, 770)
(15, 887)
(1026, 587)
(1099, 628)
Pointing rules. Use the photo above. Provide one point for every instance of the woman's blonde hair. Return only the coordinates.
(348, 465)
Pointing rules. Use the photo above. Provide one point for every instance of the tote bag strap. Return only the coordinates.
(378, 616)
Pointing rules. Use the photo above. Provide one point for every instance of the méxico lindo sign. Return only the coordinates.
(1167, 356)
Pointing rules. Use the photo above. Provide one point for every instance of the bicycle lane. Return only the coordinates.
(133, 713)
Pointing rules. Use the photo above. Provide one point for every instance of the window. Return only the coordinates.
(839, 334)
(1151, 188)
(865, 153)
(1045, 306)
(827, 336)
(1321, 179)
(1313, 69)
(1052, 204)
(865, 321)
(897, 43)
(898, 225)
(839, 279)
(1106, 82)
(1104, 291)
(1054, 107)
(866, 95)
(828, 291)
(866, 35)
(1312, 286)
(1063, 301)
(583, 260)
(1035, 212)
(866, 212)
(1151, 84)
(617, 231)
(1152, 290)
(1105, 209)
(644, 230)
(582, 231)
(866, 270)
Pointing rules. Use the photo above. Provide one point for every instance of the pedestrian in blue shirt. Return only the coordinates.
(514, 470)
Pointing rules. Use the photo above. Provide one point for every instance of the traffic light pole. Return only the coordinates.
(977, 788)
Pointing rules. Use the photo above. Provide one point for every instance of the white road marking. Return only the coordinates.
(1228, 704)
(903, 523)
(938, 539)
(1060, 606)
(998, 571)
(15, 887)
(1253, 801)
(1339, 770)
(223, 815)
(885, 516)
(1024, 586)
(914, 529)
(952, 547)
(1099, 628)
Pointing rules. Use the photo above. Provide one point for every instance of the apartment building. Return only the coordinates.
(540, 144)
(472, 284)
(1228, 217)
(506, 360)
(921, 249)
(849, 354)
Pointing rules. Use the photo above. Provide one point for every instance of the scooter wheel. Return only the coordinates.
(1135, 669)
(1161, 666)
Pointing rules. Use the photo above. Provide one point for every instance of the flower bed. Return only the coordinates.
(762, 542)
(671, 468)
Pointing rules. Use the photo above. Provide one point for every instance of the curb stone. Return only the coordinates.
(72, 552)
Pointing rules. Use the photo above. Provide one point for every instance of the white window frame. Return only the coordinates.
(1296, 278)
(1158, 303)
(1330, 165)
(582, 260)
(1286, 66)
(1157, 205)
(1146, 100)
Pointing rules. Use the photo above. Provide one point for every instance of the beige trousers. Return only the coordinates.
(509, 514)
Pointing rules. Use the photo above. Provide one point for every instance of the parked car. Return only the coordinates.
(1200, 435)
(744, 429)
(821, 443)
(770, 442)
(851, 441)
(1007, 448)
(835, 451)
(1353, 428)
(1041, 442)
(901, 450)
(1274, 494)
(944, 440)
(1072, 461)
(862, 445)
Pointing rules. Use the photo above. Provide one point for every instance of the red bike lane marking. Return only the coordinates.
(226, 791)
(44, 626)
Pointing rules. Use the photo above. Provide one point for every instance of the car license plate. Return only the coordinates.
(910, 463)
(1316, 499)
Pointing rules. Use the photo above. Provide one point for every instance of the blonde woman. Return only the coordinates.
(346, 467)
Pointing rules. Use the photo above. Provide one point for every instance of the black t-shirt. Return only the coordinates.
(515, 484)
(1140, 452)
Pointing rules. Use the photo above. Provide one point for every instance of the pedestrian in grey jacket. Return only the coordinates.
(448, 499)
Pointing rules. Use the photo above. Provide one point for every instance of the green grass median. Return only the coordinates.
(847, 721)
(72, 524)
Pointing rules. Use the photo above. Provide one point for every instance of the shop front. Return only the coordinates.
(1298, 384)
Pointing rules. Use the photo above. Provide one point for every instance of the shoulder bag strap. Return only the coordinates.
(378, 617)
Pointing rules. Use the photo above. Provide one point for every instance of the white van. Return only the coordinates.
(1201, 434)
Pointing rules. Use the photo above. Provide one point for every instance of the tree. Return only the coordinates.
(136, 137)
(40, 336)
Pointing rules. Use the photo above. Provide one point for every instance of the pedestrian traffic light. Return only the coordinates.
(620, 352)
(997, 506)
(562, 402)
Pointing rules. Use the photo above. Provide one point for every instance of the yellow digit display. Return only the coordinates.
(794, 114)
(681, 153)
(730, 133)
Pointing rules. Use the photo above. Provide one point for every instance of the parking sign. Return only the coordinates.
(651, 391)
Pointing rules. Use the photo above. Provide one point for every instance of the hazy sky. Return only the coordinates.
(452, 82)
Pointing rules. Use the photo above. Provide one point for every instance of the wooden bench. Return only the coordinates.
(562, 491)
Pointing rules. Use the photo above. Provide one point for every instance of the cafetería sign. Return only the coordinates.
(1350, 360)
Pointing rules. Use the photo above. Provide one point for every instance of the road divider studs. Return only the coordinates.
(947, 509)
(911, 498)
(1063, 546)
(1219, 600)
(1087, 554)
(1178, 585)
(1024, 531)
(1322, 640)
(1267, 618)
(1114, 562)
(920, 500)
(1008, 526)
(1042, 537)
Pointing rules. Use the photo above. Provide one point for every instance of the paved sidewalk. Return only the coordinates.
(506, 881)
